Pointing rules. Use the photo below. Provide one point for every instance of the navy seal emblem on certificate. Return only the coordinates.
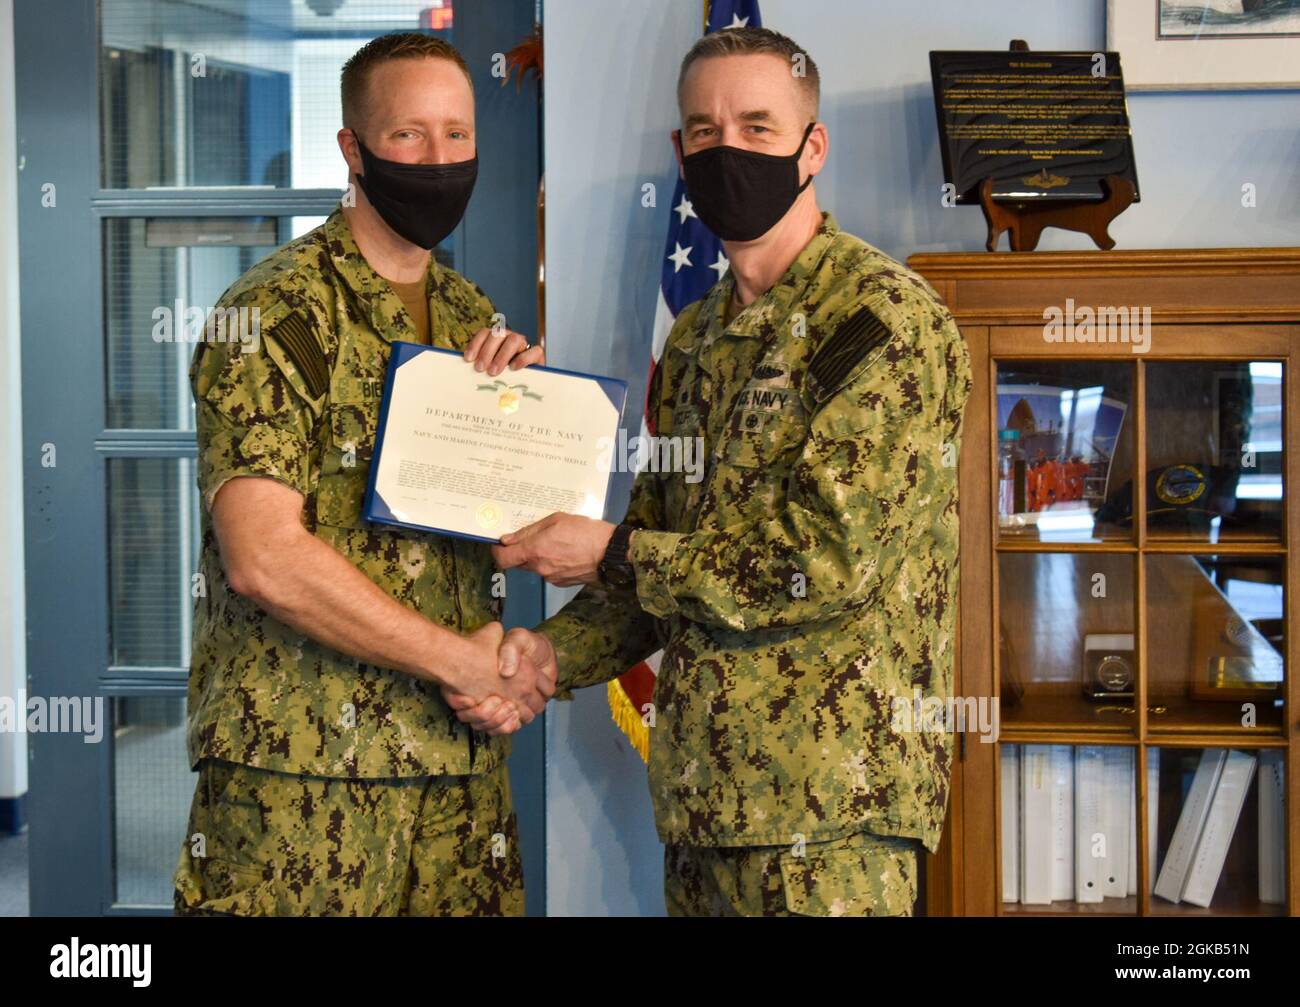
(462, 453)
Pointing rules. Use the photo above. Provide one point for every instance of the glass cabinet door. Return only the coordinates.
(1064, 451)
(1140, 619)
(1214, 451)
(1215, 643)
(1067, 657)
(1069, 828)
(1219, 822)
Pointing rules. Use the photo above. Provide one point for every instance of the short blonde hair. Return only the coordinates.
(396, 45)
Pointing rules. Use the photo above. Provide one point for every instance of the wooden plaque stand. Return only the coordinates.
(1026, 220)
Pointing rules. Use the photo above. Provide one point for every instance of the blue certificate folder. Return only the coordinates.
(377, 510)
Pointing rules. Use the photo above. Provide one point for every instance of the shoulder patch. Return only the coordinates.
(301, 347)
(848, 346)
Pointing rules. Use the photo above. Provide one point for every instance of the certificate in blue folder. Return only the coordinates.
(462, 453)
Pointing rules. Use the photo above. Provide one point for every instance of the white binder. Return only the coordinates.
(1088, 772)
(1153, 815)
(1191, 820)
(1272, 827)
(1036, 825)
(1009, 759)
(1062, 822)
(1116, 796)
(1133, 838)
(1220, 824)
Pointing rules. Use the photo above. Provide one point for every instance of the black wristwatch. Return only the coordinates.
(616, 570)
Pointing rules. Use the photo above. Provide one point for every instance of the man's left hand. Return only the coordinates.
(565, 549)
(491, 350)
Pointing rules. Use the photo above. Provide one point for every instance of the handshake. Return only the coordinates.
(502, 680)
(505, 680)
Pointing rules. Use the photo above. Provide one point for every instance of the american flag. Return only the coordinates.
(693, 262)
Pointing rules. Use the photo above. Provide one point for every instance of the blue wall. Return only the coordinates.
(610, 71)
(608, 113)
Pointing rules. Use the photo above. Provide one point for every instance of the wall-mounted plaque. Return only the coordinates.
(1042, 125)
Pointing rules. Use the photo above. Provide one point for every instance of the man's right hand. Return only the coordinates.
(527, 671)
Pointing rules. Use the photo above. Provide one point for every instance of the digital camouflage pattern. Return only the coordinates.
(303, 409)
(809, 580)
(856, 875)
(282, 844)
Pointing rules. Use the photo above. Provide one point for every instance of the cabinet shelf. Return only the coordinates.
(1044, 716)
(1180, 546)
(1230, 900)
(1186, 545)
(1127, 906)
(1035, 545)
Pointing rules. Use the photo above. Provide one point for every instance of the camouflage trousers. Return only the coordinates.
(262, 843)
(858, 875)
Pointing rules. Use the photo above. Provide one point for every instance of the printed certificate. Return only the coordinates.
(462, 453)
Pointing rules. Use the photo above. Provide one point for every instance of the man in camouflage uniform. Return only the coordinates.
(333, 778)
(805, 588)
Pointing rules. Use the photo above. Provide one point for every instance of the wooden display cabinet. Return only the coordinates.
(1180, 530)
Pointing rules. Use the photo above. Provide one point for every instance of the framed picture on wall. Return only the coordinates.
(1214, 45)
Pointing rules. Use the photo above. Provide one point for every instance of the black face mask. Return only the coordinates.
(421, 202)
(741, 194)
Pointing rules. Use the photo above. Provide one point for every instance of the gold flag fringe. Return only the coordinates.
(628, 719)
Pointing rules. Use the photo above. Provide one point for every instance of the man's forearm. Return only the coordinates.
(597, 636)
(308, 585)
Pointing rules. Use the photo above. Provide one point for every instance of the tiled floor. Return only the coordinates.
(152, 789)
(13, 875)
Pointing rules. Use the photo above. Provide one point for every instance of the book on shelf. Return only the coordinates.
(1010, 800)
(1036, 810)
(1211, 812)
(1191, 820)
(1117, 769)
(1272, 827)
(1067, 819)
(1220, 824)
(1153, 816)
(1062, 763)
(1089, 802)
